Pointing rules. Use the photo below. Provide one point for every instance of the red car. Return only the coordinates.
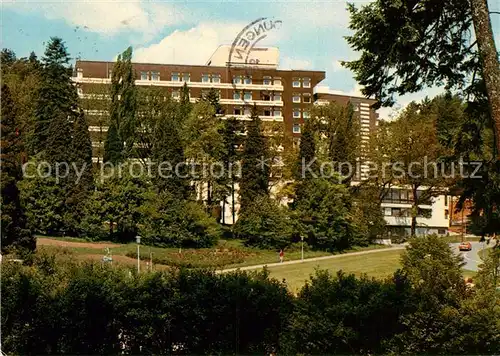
(465, 246)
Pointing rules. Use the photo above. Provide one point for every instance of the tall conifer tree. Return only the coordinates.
(255, 166)
(13, 221)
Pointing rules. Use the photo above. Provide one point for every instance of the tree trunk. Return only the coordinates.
(489, 61)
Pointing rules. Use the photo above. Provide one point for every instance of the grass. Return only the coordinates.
(227, 254)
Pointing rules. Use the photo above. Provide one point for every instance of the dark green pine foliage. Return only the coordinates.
(13, 221)
(168, 156)
(81, 183)
(306, 161)
(113, 145)
(212, 97)
(56, 104)
(128, 103)
(185, 105)
(255, 166)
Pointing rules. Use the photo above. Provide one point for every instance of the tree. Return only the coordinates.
(113, 146)
(56, 104)
(185, 105)
(13, 220)
(82, 183)
(265, 224)
(406, 46)
(307, 158)
(123, 106)
(411, 150)
(255, 166)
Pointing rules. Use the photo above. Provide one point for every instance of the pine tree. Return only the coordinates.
(13, 221)
(81, 186)
(113, 145)
(168, 153)
(306, 161)
(213, 98)
(255, 166)
(57, 100)
(185, 105)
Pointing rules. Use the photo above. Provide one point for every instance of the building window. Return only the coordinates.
(277, 97)
(237, 111)
(267, 81)
(247, 111)
(267, 112)
(176, 94)
(296, 113)
(277, 112)
(446, 214)
(306, 82)
(296, 98)
(396, 212)
(175, 77)
(277, 81)
(205, 78)
(110, 73)
(266, 97)
(387, 211)
(248, 80)
(80, 91)
(306, 115)
(248, 95)
(296, 128)
(155, 76)
(306, 98)
(442, 231)
(296, 83)
(79, 73)
(237, 96)
(237, 79)
(186, 77)
(144, 75)
(446, 200)
(215, 78)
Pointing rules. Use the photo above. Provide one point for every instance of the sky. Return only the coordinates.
(188, 32)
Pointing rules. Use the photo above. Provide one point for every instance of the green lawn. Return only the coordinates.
(227, 254)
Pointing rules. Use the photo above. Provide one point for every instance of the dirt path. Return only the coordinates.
(43, 241)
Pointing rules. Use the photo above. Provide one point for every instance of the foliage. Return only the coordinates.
(265, 224)
(323, 213)
(255, 166)
(13, 219)
(172, 222)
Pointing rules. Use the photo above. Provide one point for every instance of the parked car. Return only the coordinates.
(465, 246)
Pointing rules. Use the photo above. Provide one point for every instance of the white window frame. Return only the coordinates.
(247, 111)
(247, 80)
(277, 113)
(237, 79)
(277, 95)
(175, 74)
(236, 95)
(267, 81)
(176, 94)
(296, 82)
(216, 78)
(306, 114)
(79, 73)
(249, 93)
(277, 81)
(142, 75)
(296, 110)
(205, 78)
(308, 96)
(239, 109)
(296, 128)
(153, 75)
(188, 77)
(306, 80)
(79, 90)
(296, 98)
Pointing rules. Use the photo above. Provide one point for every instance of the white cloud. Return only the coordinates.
(294, 63)
(193, 46)
(316, 13)
(106, 17)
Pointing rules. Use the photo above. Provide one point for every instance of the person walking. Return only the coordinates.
(282, 255)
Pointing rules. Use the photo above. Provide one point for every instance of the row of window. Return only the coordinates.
(298, 113)
(266, 112)
(214, 78)
(305, 98)
(406, 212)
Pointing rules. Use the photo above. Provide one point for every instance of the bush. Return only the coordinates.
(265, 224)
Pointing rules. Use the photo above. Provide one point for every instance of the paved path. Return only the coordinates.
(312, 259)
(471, 258)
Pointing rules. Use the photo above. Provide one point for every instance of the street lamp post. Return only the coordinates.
(302, 252)
(138, 240)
